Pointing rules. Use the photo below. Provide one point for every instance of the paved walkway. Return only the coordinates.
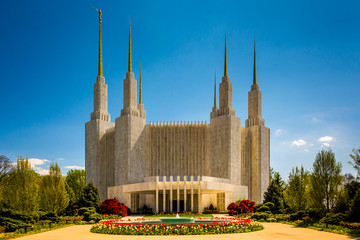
(272, 231)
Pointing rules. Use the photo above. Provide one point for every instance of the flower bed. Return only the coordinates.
(238, 225)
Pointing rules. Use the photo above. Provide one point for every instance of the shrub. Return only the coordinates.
(270, 205)
(232, 206)
(211, 208)
(263, 208)
(315, 214)
(11, 224)
(298, 215)
(257, 206)
(260, 215)
(86, 209)
(112, 206)
(355, 226)
(332, 218)
(51, 216)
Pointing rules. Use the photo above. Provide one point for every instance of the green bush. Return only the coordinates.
(355, 226)
(257, 206)
(26, 217)
(316, 214)
(50, 216)
(263, 208)
(11, 224)
(298, 216)
(333, 218)
(270, 205)
(260, 215)
(95, 217)
(83, 210)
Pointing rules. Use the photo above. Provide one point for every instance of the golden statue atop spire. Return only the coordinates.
(129, 60)
(140, 87)
(100, 67)
(215, 102)
(254, 76)
(225, 63)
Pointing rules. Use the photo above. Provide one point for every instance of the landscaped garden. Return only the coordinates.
(215, 226)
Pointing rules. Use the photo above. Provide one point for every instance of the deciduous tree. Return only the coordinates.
(296, 192)
(356, 160)
(325, 180)
(21, 188)
(76, 180)
(53, 195)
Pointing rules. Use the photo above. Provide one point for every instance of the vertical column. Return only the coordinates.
(199, 194)
(164, 194)
(184, 193)
(157, 193)
(171, 194)
(178, 193)
(192, 193)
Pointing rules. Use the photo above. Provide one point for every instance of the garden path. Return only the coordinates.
(272, 231)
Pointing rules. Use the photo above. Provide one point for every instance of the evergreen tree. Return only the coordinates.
(354, 212)
(274, 192)
(296, 192)
(76, 180)
(21, 188)
(90, 196)
(53, 195)
(70, 210)
(325, 180)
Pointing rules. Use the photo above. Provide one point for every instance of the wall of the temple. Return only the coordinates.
(176, 149)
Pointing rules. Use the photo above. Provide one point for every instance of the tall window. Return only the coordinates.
(221, 201)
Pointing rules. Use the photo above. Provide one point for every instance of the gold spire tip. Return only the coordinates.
(130, 59)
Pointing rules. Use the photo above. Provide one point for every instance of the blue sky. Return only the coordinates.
(308, 58)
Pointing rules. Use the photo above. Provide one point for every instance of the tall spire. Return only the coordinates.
(225, 62)
(215, 102)
(129, 60)
(100, 67)
(254, 76)
(140, 87)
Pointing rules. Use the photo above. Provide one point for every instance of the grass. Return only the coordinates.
(174, 215)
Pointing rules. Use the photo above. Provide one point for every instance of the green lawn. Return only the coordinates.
(181, 215)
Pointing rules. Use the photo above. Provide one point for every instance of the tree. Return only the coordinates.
(21, 188)
(356, 160)
(53, 195)
(70, 210)
(354, 211)
(325, 180)
(90, 196)
(76, 180)
(274, 192)
(296, 192)
(5, 167)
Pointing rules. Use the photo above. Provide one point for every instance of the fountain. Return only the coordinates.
(176, 220)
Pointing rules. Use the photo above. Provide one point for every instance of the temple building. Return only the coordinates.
(176, 166)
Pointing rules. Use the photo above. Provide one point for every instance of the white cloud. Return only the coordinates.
(298, 143)
(278, 132)
(36, 161)
(41, 171)
(314, 119)
(306, 150)
(60, 159)
(325, 145)
(326, 139)
(74, 167)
